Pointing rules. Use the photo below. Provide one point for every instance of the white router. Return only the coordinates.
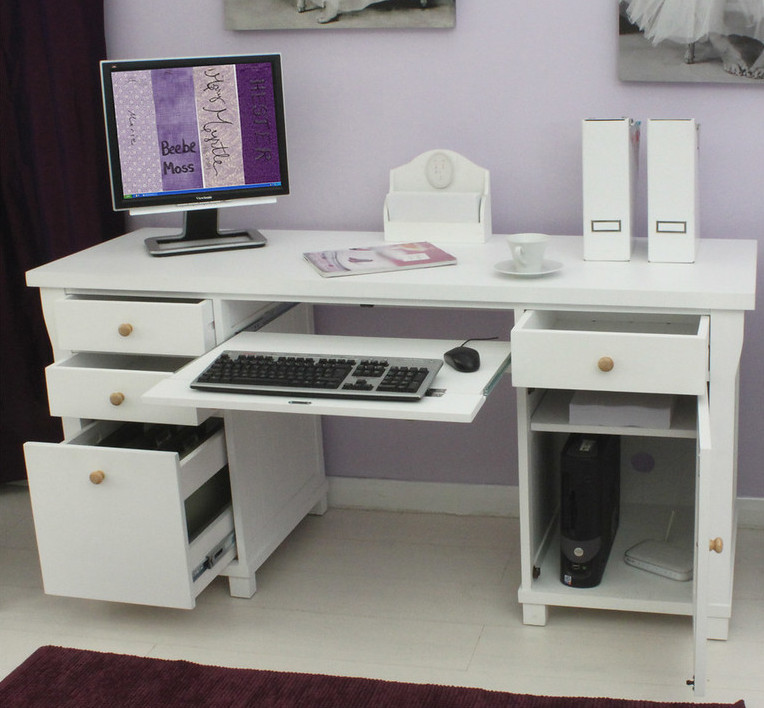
(661, 557)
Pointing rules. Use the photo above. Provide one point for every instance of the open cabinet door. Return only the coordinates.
(703, 475)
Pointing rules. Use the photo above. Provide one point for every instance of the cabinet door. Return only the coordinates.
(703, 544)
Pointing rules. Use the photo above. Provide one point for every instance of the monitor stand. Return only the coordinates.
(200, 234)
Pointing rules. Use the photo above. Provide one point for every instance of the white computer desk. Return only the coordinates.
(129, 332)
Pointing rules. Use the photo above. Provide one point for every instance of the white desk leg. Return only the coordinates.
(321, 506)
(242, 587)
(535, 508)
(535, 614)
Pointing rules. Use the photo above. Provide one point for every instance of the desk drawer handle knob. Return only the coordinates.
(97, 476)
(125, 329)
(716, 545)
(117, 398)
(605, 363)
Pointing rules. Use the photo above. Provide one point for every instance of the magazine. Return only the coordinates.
(377, 259)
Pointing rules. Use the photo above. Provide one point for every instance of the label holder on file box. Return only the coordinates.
(604, 226)
(671, 227)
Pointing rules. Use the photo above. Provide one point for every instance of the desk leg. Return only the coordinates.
(321, 506)
(535, 614)
(242, 587)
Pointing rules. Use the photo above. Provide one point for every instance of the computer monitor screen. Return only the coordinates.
(192, 135)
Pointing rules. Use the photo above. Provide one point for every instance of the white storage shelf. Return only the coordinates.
(623, 587)
(552, 415)
(646, 501)
(624, 357)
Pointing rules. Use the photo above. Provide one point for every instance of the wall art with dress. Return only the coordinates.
(712, 41)
(338, 14)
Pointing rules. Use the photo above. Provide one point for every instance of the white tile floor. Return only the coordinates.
(410, 597)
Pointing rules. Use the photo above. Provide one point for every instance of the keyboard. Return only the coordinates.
(319, 375)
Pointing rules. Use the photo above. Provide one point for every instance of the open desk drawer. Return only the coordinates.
(172, 327)
(130, 525)
(110, 386)
(611, 352)
(457, 397)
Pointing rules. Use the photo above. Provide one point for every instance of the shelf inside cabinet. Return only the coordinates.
(552, 415)
(623, 587)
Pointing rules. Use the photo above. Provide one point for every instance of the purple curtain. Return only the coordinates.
(54, 190)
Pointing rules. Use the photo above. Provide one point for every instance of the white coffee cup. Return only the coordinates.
(528, 251)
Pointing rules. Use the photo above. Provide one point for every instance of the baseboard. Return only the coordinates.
(750, 512)
(429, 497)
(459, 499)
(462, 499)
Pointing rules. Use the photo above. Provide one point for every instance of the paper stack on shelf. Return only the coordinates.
(613, 408)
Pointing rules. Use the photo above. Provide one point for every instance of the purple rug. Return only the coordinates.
(55, 677)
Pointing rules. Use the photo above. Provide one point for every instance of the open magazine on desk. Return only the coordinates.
(378, 259)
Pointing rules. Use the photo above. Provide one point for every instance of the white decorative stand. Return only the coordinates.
(439, 196)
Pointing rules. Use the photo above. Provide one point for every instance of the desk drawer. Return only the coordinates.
(110, 386)
(171, 327)
(126, 524)
(600, 352)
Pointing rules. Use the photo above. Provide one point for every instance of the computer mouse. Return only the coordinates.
(463, 358)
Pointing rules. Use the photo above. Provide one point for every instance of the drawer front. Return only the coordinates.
(181, 328)
(602, 353)
(110, 522)
(106, 387)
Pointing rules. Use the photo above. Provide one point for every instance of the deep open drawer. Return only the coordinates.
(135, 527)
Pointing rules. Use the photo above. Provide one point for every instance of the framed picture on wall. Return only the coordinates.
(712, 41)
(338, 14)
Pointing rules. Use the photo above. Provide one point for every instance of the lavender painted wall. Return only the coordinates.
(508, 89)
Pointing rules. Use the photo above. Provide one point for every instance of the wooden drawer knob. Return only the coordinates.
(117, 398)
(97, 476)
(605, 363)
(716, 545)
(125, 329)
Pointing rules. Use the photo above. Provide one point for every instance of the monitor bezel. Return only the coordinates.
(201, 198)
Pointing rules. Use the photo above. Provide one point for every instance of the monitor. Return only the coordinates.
(194, 135)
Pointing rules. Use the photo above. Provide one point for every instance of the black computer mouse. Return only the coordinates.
(463, 358)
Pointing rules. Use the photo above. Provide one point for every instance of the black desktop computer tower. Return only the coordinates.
(590, 504)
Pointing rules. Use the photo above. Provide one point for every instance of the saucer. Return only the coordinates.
(510, 268)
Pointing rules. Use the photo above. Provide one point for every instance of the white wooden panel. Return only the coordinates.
(155, 327)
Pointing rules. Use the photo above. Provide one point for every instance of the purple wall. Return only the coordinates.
(508, 89)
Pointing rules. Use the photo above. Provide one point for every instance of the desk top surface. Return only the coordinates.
(722, 278)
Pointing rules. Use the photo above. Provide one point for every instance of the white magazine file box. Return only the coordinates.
(610, 158)
(672, 191)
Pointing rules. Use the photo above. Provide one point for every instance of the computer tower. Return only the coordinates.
(590, 505)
